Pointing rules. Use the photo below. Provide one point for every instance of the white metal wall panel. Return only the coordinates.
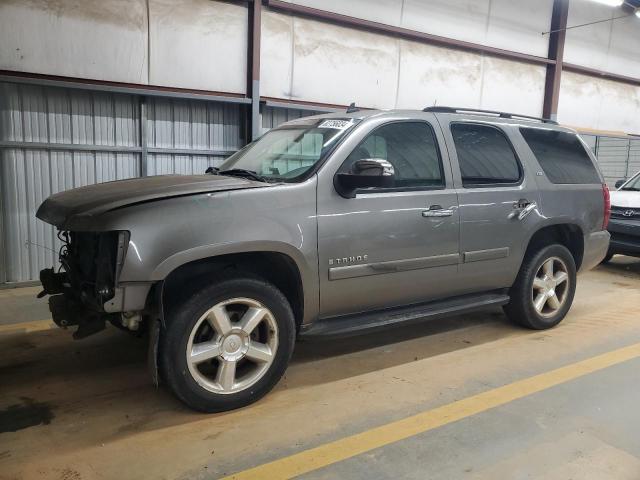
(301, 57)
(609, 46)
(507, 24)
(382, 11)
(276, 55)
(512, 86)
(97, 39)
(358, 66)
(591, 102)
(431, 75)
(198, 44)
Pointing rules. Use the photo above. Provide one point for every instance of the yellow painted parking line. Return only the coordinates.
(28, 327)
(344, 448)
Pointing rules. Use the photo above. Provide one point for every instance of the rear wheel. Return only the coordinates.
(544, 289)
(228, 344)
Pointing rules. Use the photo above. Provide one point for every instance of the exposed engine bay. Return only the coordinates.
(85, 281)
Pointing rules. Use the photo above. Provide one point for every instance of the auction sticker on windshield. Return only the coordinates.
(337, 124)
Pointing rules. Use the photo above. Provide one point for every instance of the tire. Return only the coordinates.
(248, 305)
(607, 259)
(525, 297)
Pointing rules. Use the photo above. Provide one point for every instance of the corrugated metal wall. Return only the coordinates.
(274, 116)
(634, 158)
(618, 157)
(53, 139)
(190, 125)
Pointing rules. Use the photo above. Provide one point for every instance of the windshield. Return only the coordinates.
(633, 184)
(287, 153)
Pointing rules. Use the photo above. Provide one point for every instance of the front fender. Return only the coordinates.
(207, 251)
(307, 273)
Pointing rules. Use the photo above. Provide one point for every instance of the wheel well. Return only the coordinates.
(273, 267)
(565, 234)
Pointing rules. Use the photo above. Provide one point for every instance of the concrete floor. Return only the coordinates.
(87, 410)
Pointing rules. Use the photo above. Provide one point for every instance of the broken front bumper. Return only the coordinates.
(85, 292)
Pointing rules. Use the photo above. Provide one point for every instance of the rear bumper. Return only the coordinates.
(596, 246)
(625, 236)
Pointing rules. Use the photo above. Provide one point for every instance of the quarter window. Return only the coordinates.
(412, 149)
(561, 155)
(485, 155)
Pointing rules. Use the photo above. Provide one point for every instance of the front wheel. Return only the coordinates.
(544, 289)
(228, 344)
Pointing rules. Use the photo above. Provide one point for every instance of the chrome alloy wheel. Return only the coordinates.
(232, 345)
(550, 287)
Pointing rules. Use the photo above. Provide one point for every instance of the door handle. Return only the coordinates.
(437, 211)
(521, 211)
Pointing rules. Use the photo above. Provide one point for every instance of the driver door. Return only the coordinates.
(396, 245)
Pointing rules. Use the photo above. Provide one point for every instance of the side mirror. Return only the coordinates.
(619, 183)
(366, 173)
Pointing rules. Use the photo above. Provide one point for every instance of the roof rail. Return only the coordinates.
(437, 109)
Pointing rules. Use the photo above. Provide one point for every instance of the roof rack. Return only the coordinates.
(487, 112)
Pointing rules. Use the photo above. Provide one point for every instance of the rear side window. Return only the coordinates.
(561, 155)
(412, 149)
(485, 155)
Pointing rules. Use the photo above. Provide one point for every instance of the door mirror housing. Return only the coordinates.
(365, 173)
(619, 183)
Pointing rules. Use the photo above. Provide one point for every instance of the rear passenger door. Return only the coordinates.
(494, 186)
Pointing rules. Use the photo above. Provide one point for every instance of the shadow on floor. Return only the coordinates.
(105, 377)
(622, 265)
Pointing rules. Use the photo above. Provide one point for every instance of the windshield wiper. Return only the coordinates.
(241, 172)
(631, 189)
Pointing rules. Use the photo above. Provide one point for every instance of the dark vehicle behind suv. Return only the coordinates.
(330, 225)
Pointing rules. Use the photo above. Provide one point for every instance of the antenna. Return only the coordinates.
(352, 108)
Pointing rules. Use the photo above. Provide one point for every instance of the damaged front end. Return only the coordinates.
(86, 282)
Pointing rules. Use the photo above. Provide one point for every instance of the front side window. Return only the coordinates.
(287, 153)
(485, 155)
(410, 147)
(561, 155)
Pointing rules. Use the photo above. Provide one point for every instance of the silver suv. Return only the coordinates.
(330, 225)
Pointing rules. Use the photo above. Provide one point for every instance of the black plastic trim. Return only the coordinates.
(381, 319)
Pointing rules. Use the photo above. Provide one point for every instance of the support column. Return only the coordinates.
(144, 142)
(253, 67)
(557, 36)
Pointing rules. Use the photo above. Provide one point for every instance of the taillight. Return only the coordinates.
(607, 206)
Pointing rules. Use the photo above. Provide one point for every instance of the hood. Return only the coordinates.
(627, 199)
(96, 199)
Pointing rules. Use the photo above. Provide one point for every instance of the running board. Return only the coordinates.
(380, 319)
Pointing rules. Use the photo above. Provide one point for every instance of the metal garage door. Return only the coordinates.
(53, 139)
